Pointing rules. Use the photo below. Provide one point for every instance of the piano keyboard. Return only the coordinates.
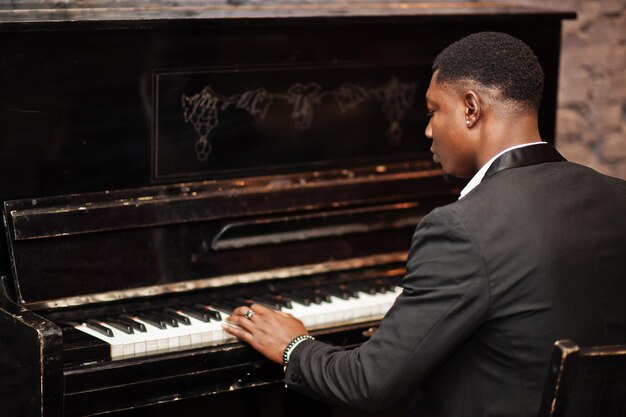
(197, 325)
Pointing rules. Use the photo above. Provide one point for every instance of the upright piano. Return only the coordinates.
(162, 162)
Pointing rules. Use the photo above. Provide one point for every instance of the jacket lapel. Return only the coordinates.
(521, 157)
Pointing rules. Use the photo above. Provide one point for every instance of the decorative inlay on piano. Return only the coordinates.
(202, 109)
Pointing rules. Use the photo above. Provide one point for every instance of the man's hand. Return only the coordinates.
(266, 330)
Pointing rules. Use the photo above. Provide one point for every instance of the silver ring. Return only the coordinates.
(248, 314)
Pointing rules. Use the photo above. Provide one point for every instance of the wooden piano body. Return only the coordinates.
(156, 154)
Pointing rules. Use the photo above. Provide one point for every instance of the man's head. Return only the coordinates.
(486, 89)
(494, 61)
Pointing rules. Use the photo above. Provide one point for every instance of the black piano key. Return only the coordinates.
(125, 318)
(323, 295)
(389, 285)
(229, 303)
(380, 286)
(240, 301)
(336, 291)
(174, 314)
(296, 298)
(197, 313)
(223, 306)
(309, 295)
(363, 287)
(214, 314)
(279, 299)
(328, 292)
(152, 319)
(351, 292)
(265, 301)
(119, 325)
(95, 325)
(167, 319)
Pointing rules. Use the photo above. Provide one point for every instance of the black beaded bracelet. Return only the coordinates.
(295, 342)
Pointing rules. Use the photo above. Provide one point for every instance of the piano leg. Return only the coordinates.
(30, 359)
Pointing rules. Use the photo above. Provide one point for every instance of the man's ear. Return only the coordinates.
(472, 108)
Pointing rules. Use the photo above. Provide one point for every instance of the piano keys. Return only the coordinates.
(162, 163)
(187, 326)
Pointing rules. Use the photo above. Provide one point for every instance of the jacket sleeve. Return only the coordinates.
(445, 299)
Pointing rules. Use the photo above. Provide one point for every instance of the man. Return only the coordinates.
(533, 251)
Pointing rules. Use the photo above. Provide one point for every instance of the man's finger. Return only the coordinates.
(237, 331)
(242, 322)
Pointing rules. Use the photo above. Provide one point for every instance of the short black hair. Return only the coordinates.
(495, 60)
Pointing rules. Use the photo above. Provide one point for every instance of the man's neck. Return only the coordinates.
(506, 133)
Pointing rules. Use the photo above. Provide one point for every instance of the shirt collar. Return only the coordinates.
(478, 177)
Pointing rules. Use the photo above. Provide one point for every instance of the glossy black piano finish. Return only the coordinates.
(155, 153)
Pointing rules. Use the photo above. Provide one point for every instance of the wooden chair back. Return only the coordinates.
(585, 382)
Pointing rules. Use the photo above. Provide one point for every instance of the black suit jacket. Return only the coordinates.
(535, 253)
